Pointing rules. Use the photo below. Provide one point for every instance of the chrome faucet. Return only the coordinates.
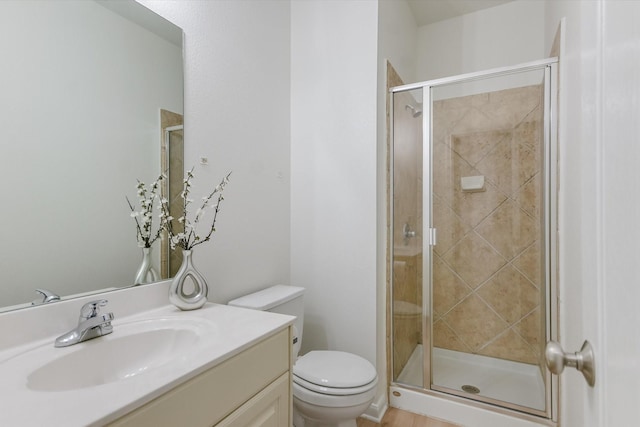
(91, 324)
(47, 297)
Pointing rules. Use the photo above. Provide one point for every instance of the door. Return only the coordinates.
(488, 178)
(600, 210)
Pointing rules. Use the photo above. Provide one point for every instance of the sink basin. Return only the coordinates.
(134, 348)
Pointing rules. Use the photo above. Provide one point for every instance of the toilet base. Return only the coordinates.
(329, 417)
(298, 421)
(350, 423)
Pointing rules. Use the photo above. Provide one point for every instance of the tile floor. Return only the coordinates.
(398, 418)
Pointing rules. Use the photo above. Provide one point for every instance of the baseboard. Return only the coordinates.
(377, 409)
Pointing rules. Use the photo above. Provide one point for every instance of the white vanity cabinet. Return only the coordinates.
(252, 388)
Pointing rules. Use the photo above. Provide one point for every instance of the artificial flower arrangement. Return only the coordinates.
(189, 237)
(186, 239)
(144, 217)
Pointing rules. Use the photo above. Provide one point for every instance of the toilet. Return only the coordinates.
(330, 388)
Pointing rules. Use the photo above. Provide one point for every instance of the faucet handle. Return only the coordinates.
(92, 309)
(47, 297)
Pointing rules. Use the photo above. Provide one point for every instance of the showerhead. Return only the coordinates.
(415, 112)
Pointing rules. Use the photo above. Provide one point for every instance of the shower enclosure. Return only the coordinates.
(173, 167)
(473, 230)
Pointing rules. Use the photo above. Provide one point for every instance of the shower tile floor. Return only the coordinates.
(512, 382)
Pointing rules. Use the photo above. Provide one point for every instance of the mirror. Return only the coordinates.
(83, 84)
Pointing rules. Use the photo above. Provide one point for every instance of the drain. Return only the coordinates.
(470, 389)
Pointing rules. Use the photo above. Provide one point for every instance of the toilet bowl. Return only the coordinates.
(330, 388)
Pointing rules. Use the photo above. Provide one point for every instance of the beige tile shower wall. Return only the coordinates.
(487, 274)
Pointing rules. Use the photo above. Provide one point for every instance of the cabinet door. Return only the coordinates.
(269, 408)
(214, 395)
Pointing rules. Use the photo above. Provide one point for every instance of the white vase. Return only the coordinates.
(146, 273)
(197, 296)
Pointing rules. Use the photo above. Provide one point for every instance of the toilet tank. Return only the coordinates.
(281, 299)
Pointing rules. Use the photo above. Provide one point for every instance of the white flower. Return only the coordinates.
(146, 199)
(189, 237)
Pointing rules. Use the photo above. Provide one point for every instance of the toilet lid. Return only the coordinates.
(334, 369)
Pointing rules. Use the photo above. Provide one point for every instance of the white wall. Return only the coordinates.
(237, 115)
(504, 35)
(333, 169)
(397, 40)
(81, 92)
(240, 105)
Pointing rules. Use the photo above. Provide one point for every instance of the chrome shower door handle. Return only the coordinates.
(582, 360)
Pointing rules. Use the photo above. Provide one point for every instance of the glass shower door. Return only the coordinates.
(407, 237)
(487, 271)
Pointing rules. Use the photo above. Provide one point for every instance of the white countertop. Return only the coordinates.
(235, 330)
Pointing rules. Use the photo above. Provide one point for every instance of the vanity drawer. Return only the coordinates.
(211, 396)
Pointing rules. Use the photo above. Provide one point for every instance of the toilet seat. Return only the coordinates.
(330, 390)
(334, 370)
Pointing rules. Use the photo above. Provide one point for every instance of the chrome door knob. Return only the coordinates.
(582, 360)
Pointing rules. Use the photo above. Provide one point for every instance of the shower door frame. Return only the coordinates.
(549, 207)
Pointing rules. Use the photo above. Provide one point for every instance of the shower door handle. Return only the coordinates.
(582, 360)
